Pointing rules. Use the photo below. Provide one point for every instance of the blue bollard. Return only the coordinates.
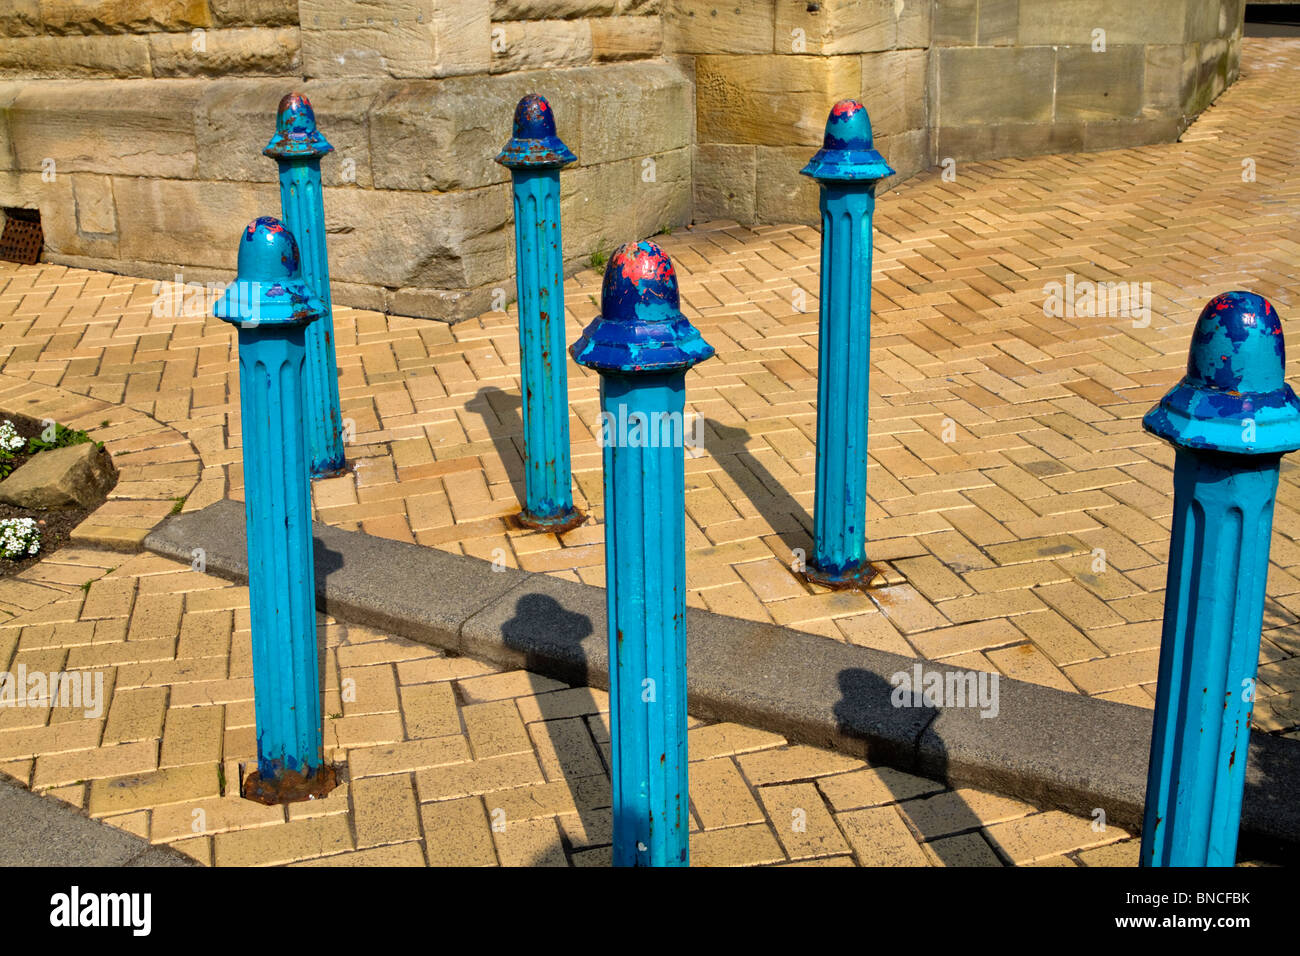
(642, 345)
(297, 148)
(1231, 419)
(273, 307)
(534, 157)
(847, 169)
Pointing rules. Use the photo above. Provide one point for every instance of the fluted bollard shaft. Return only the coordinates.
(535, 155)
(642, 346)
(847, 169)
(297, 148)
(1230, 419)
(272, 308)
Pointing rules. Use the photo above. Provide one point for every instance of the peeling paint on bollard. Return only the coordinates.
(272, 308)
(642, 345)
(1230, 419)
(847, 169)
(534, 157)
(297, 148)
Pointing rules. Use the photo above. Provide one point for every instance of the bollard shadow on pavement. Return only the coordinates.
(572, 747)
(780, 509)
(933, 812)
(564, 631)
(502, 412)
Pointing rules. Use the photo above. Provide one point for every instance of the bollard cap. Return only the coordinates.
(268, 288)
(296, 135)
(847, 153)
(1233, 398)
(535, 143)
(640, 327)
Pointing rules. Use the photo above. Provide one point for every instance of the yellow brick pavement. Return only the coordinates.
(444, 760)
(1009, 479)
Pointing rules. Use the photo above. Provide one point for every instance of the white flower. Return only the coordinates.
(10, 440)
(19, 538)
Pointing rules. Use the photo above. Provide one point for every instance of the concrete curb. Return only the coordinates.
(44, 831)
(1052, 748)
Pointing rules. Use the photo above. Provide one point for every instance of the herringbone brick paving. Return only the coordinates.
(1009, 481)
(445, 760)
(1009, 478)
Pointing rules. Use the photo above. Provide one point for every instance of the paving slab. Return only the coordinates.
(416, 592)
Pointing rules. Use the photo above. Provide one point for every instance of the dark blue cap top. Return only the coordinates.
(1234, 397)
(268, 287)
(641, 327)
(847, 153)
(535, 142)
(296, 135)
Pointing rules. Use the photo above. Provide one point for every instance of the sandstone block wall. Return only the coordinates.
(1017, 77)
(766, 73)
(945, 79)
(136, 126)
(132, 39)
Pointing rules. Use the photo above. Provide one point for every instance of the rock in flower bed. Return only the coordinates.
(37, 524)
(76, 476)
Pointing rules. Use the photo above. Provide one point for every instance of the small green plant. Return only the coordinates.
(61, 438)
(19, 538)
(86, 586)
(668, 229)
(336, 716)
(598, 256)
(177, 505)
(104, 423)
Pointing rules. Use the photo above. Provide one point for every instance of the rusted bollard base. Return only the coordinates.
(861, 578)
(556, 524)
(291, 787)
(336, 473)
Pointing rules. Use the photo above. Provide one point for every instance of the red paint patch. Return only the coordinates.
(644, 264)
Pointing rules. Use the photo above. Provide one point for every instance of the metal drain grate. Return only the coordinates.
(23, 237)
